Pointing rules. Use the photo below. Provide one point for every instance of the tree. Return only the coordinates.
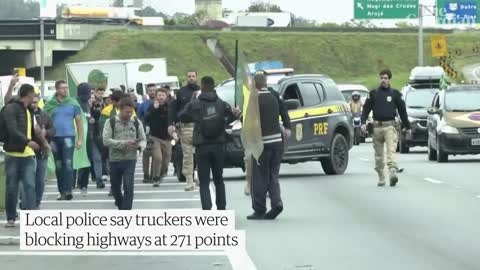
(118, 3)
(303, 22)
(261, 6)
(151, 12)
(330, 25)
(404, 25)
(15, 9)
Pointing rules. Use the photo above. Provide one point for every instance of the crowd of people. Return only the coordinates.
(100, 136)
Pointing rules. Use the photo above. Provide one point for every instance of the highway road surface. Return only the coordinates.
(430, 221)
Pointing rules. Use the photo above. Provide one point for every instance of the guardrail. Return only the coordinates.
(27, 29)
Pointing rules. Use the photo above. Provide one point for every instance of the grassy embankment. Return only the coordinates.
(346, 57)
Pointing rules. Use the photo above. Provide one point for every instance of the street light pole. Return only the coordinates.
(420, 35)
(42, 56)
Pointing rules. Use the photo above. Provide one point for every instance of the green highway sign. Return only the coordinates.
(386, 9)
(458, 11)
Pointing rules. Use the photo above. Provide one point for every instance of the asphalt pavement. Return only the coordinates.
(431, 220)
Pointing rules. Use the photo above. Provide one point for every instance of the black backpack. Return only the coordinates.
(3, 126)
(212, 120)
(113, 121)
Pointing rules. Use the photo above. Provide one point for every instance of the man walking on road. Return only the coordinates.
(385, 102)
(148, 159)
(209, 112)
(84, 91)
(265, 171)
(124, 136)
(20, 147)
(45, 132)
(64, 111)
(156, 119)
(184, 95)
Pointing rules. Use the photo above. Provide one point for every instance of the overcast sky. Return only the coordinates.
(320, 10)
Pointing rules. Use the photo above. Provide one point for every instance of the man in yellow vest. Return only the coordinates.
(20, 147)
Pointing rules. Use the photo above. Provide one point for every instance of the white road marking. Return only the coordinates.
(113, 253)
(458, 187)
(9, 237)
(364, 159)
(433, 181)
(134, 201)
(137, 185)
(136, 192)
(241, 260)
(478, 196)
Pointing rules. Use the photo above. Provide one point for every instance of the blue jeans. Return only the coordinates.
(19, 170)
(97, 162)
(122, 172)
(40, 177)
(62, 149)
(95, 169)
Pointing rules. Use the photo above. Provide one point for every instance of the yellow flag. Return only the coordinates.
(252, 139)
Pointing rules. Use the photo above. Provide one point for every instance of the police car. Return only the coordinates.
(321, 122)
(454, 123)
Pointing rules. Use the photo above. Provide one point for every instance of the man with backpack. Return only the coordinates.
(209, 114)
(124, 135)
(18, 135)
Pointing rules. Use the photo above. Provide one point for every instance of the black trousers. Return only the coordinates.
(84, 173)
(265, 179)
(210, 158)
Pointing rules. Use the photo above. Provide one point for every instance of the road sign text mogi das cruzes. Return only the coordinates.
(386, 9)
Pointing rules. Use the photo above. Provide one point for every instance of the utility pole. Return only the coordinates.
(422, 10)
(420, 35)
(42, 55)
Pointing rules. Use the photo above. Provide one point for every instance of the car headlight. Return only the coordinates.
(448, 129)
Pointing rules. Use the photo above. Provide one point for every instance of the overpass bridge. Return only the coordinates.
(20, 41)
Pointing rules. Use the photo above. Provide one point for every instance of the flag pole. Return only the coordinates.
(236, 72)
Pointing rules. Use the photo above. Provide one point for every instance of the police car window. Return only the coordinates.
(331, 89)
(291, 92)
(321, 92)
(309, 94)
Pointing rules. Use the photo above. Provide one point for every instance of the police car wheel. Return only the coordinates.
(441, 155)
(337, 162)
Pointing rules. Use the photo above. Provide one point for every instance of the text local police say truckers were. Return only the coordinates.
(87, 219)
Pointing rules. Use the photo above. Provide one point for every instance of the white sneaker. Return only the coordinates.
(84, 192)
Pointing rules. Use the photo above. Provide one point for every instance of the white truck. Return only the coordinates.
(131, 74)
(252, 21)
(260, 19)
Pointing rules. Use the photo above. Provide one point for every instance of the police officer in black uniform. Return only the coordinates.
(386, 104)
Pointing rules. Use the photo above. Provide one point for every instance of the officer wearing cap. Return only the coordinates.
(385, 102)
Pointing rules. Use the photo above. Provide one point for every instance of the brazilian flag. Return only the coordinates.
(247, 96)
